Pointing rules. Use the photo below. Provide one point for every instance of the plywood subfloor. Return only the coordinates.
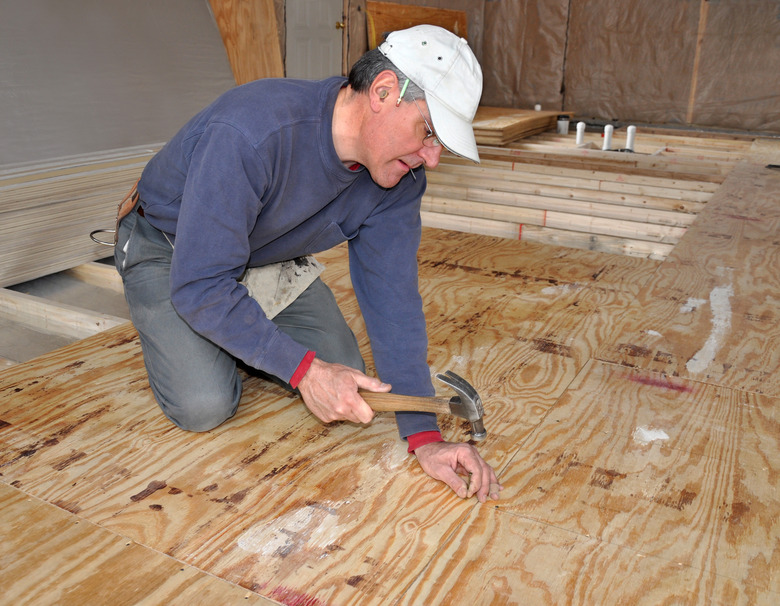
(711, 313)
(625, 482)
(50, 557)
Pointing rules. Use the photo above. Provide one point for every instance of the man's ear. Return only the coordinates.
(381, 89)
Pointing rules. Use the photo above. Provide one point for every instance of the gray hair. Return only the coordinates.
(369, 66)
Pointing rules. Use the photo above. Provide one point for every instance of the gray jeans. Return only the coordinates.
(195, 382)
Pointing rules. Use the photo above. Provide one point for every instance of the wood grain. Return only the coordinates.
(553, 264)
(701, 494)
(52, 557)
(557, 308)
(593, 510)
(261, 474)
(502, 558)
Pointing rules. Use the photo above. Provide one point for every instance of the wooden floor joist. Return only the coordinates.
(98, 274)
(547, 189)
(55, 318)
(631, 408)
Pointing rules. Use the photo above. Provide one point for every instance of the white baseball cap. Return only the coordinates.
(443, 65)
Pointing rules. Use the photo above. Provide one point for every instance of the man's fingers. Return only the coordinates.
(459, 485)
(371, 383)
(363, 412)
(495, 491)
(450, 462)
(481, 475)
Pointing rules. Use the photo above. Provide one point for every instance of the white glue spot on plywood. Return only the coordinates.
(646, 435)
(560, 289)
(691, 305)
(720, 303)
(653, 333)
(311, 527)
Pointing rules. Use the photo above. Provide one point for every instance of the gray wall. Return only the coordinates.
(80, 76)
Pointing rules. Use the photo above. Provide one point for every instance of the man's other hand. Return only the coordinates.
(330, 391)
(448, 462)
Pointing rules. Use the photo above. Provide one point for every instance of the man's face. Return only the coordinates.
(396, 143)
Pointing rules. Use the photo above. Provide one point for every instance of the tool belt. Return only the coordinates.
(125, 207)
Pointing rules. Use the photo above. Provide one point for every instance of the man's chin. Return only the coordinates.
(387, 181)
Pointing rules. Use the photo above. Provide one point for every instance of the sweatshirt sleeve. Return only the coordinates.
(219, 207)
(383, 267)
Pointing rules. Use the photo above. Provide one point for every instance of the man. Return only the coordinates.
(274, 171)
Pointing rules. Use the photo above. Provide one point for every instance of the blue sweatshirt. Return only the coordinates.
(254, 179)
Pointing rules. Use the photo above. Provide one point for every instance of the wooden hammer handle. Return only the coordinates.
(391, 402)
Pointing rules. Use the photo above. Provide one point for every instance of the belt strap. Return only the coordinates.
(125, 206)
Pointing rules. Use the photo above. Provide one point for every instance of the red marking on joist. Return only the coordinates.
(665, 383)
(544, 220)
(293, 597)
(520, 232)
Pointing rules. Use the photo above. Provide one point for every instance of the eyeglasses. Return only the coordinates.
(430, 140)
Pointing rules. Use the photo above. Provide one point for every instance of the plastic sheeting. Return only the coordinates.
(711, 63)
(88, 75)
(631, 60)
(523, 53)
(739, 71)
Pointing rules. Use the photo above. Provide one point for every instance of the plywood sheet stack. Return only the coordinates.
(501, 125)
(546, 189)
(48, 209)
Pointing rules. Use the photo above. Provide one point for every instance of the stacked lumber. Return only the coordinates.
(501, 125)
(48, 209)
(548, 190)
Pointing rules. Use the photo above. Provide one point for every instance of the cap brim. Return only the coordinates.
(454, 133)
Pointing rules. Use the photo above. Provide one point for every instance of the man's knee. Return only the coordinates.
(200, 410)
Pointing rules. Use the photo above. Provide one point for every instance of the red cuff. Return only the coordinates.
(421, 439)
(303, 367)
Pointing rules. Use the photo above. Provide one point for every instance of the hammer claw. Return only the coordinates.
(459, 384)
(467, 404)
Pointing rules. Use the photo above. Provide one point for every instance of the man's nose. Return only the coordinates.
(431, 155)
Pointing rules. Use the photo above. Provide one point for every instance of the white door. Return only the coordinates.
(314, 41)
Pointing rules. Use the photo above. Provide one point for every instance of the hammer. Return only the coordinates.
(466, 405)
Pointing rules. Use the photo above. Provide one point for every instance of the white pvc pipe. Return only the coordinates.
(580, 133)
(607, 137)
(630, 136)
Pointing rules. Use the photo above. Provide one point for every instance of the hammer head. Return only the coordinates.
(467, 404)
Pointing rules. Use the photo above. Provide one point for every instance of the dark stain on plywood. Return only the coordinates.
(153, 487)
